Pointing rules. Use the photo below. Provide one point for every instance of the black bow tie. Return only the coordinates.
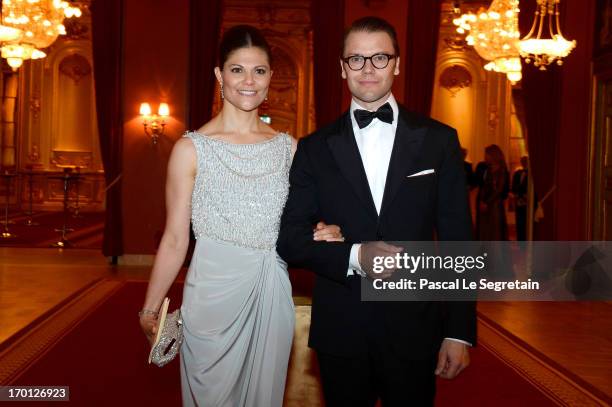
(365, 117)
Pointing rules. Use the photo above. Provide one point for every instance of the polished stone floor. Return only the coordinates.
(576, 336)
(34, 280)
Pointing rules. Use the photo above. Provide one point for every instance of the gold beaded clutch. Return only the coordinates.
(169, 336)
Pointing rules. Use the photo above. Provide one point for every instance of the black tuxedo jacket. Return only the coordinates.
(328, 182)
(519, 188)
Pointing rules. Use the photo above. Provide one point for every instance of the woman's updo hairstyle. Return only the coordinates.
(242, 36)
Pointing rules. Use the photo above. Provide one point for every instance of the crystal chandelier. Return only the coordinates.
(494, 34)
(39, 21)
(543, 52)
(9, 33)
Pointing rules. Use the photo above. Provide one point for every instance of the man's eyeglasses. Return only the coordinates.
(357, 62)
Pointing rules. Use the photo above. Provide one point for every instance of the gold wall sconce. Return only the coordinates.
(154, 124)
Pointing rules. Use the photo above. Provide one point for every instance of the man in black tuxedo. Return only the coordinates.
(380, 173)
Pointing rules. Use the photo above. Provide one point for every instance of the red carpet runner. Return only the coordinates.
(103, 360)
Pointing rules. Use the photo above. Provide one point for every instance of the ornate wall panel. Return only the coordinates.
(73, 128)
(286, 26)
(10, 87)
(282, 103)
(57, 119)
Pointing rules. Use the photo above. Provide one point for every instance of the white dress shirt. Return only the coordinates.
(375, 143)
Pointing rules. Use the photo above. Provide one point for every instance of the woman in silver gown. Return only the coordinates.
(230, 178)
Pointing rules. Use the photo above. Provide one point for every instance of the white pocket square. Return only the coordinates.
(424, 172)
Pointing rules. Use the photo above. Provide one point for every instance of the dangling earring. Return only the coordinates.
(222, 95)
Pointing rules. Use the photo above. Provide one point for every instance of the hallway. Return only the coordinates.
(564, 349)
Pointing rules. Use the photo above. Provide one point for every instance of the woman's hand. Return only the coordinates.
(328, 233)
(148, 323)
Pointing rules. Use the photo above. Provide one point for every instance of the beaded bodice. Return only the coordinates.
(240, 189)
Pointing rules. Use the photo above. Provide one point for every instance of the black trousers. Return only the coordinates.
(360, 382)
(521, 223)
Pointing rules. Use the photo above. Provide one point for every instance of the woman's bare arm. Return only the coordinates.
(172, 249)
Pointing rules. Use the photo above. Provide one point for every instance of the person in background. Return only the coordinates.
(469, 172)
(519, 191)
(478, 175)
(491, 222)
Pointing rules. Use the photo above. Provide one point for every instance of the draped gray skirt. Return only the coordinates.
(238, 322)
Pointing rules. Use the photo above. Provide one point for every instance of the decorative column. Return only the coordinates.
(9, 103)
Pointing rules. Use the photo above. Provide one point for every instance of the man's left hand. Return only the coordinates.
(452, 359)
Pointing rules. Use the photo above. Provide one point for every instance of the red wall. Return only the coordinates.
(156, 45)
(396, 13)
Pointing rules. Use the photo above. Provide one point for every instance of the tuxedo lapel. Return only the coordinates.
(346, 153)
(408, 140)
